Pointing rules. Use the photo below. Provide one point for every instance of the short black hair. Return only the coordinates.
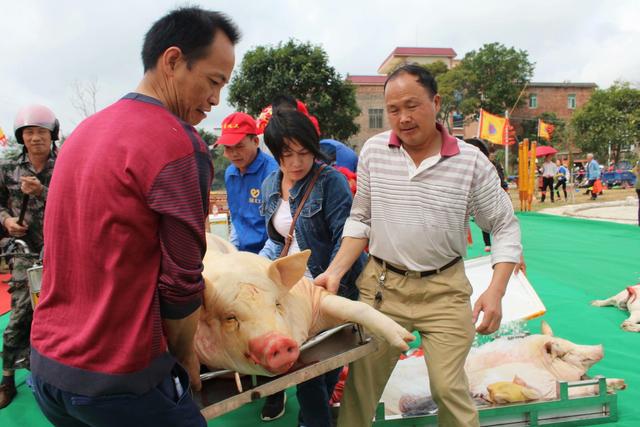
(479, 144)
(294, 125)
(425, 78)
(189, 28)
(284, 101)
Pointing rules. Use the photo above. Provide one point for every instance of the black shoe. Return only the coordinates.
(7, 393)
(274, 406)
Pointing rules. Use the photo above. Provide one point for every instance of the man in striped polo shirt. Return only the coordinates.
(417, 187)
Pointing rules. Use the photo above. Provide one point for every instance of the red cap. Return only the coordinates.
(235, 127)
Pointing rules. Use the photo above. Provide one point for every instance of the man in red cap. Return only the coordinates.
(243, 180)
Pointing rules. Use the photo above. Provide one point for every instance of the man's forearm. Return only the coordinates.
(501, 274)
(350, 250)
(180, 333)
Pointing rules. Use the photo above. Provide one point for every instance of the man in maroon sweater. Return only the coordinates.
(124, 240)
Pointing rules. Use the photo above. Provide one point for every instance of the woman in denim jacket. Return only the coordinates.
(293, 141)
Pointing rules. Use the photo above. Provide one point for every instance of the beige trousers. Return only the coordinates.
(438, 307)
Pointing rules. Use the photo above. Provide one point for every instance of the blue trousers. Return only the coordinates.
(313, 397)
(161, 406)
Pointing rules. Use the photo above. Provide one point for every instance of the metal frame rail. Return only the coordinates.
(220, 395)
(565, 411)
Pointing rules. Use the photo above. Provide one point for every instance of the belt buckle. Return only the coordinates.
(412, 274)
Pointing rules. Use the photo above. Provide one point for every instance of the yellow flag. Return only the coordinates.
(492, 128)
(545, 130)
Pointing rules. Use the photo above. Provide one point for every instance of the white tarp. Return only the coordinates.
(521, 302)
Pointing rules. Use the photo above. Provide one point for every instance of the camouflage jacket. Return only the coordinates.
(11, 196)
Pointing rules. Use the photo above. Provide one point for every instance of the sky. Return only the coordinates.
(49, 48)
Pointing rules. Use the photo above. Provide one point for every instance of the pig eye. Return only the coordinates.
(231, 318)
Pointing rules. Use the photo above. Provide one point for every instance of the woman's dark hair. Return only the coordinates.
(283, 102)
(424, 77)
(189, 28)
(479, 144)
(292, 125)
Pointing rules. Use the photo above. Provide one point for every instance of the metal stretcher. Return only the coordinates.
(330, 350)
(565, 411)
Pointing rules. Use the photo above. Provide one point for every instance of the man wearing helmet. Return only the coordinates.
(25, 180)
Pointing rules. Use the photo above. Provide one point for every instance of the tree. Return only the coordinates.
(220, 163)
(84, 97)
(300, 70)
(491, 78)
(446, 89)
(452, 99)
(611, 117)
(436, 69)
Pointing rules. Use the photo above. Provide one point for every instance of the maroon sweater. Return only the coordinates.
(124, 241)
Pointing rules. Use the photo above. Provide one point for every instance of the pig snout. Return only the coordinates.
(596, 353)
(276, 353)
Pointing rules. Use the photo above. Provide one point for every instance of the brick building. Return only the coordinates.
(560, 98)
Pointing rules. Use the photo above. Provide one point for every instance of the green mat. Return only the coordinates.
(570, 262)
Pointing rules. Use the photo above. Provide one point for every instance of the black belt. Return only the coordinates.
(420, 273)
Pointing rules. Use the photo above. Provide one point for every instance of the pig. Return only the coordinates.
(505, 371)
(625, 300)
(538, 361)
(256, 312)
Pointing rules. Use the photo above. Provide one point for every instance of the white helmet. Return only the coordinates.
(36, 115)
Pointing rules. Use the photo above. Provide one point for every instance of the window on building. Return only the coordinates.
(458, 119)
(375, 118)
(571, 101)
(533, 100)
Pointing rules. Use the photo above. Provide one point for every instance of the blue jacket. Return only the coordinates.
(319, 226)
(593, 170)
(345, 156)
(244, 199)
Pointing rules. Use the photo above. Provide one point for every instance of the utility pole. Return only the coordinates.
(506, 146)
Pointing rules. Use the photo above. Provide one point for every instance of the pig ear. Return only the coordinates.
(553, 348)
(519, 381)
(288, 270)
(546, 329)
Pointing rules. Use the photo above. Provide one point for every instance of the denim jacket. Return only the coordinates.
(319, 226)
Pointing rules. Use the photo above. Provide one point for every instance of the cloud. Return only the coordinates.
(47, 46)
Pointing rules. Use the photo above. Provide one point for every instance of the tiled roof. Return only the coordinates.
(561, 84)
(367, 80)
(424, 51)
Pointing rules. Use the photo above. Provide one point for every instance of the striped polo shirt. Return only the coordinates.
(417, 218)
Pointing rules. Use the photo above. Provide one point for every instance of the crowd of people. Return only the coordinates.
(111, 340)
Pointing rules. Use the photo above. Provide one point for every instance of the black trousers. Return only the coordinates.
(562, 182)
(547, 181)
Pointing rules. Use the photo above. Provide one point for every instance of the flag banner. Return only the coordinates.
(493, 128)
(545, 130)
